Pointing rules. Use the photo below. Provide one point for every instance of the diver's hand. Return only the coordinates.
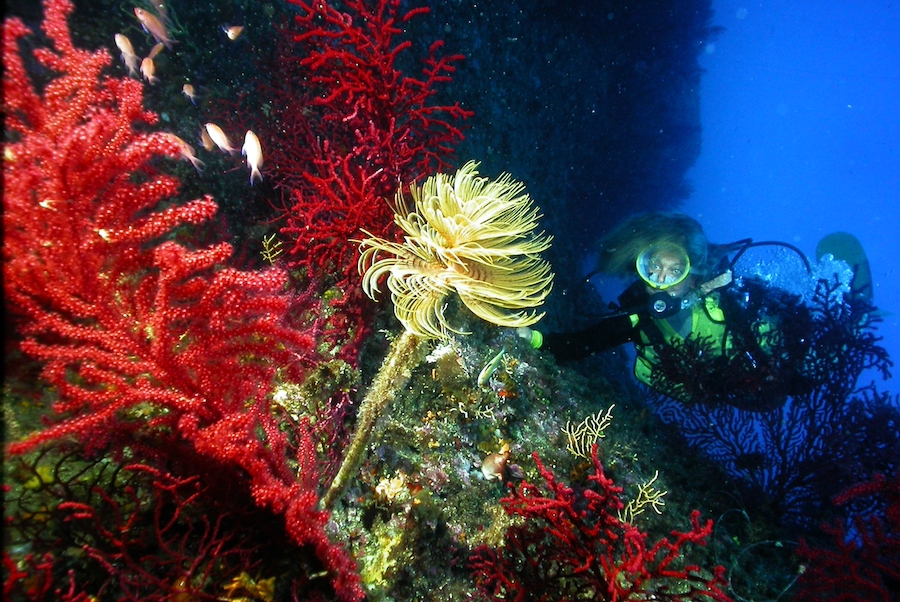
(534, 337)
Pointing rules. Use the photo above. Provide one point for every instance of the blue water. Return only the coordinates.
(801, 131)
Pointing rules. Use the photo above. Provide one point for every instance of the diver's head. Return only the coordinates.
(680, 235)
(665, 267)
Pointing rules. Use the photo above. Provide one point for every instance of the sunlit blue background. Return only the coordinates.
(801, 127)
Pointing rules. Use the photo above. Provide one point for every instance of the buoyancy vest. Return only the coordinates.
(707, 322)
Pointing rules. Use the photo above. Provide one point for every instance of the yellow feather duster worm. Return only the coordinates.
(465, 234)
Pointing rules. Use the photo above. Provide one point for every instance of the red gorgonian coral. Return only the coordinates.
(573, 546)
(863, 565)
(140, 336)
(347, 127)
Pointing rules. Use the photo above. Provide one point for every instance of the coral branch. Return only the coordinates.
(142, 338)
(573, 546)
(864, 560)
(351, 127)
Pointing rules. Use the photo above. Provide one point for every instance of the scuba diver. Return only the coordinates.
(693, 341)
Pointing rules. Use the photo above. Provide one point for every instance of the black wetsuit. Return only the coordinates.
(611, 331)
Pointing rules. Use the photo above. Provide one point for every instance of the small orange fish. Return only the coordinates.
(219, 138)
(188, 90)
(156, 50)
(206, 141)
(253, 150)
(186, 150)
(130, 59)
(233, 32)
(154, 27)
(148, 69)
(124, 44)
(160, 7)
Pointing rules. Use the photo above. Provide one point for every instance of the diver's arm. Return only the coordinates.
(609, 332)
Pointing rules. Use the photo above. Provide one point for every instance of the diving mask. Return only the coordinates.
(663, 265)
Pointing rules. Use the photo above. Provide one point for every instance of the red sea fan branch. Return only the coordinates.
(142, 337)
(863, 564)
(351, 127)
(573, 546)
(155, 511)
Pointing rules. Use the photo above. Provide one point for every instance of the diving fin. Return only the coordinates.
(846, 247)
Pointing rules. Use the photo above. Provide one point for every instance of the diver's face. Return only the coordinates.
(665, 267)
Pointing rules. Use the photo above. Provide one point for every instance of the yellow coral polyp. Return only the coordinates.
(466, 234)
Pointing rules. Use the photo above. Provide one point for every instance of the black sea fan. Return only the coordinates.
(767, 355)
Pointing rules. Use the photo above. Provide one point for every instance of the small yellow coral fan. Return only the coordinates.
(465, 234)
